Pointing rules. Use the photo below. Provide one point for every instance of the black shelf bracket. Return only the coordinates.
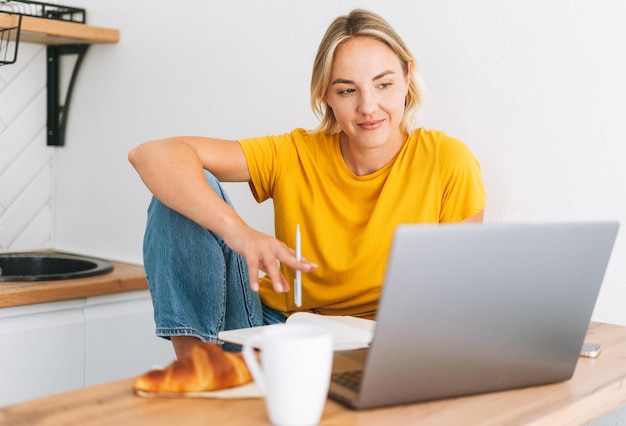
(57, 111)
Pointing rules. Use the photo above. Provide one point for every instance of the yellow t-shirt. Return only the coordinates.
(347, 221)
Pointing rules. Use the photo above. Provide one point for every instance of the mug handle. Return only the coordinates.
(251, 361)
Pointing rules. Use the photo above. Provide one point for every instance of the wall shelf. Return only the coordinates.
(63, 38)
(55, 32)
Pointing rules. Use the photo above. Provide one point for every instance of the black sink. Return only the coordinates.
(50, 266)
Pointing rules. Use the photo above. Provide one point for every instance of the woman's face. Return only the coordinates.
(367, 92)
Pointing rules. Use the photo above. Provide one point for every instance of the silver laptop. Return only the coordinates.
(469, 309)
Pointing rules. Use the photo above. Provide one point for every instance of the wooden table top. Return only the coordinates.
(598, 386)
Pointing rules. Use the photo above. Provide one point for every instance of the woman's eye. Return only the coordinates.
(384, 85)
(346, 91)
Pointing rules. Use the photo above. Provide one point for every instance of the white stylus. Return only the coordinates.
(297, 292)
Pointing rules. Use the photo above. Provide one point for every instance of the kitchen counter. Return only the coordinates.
(124, 277)
(596, 388)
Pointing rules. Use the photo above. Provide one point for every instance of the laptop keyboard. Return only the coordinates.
(350, 379)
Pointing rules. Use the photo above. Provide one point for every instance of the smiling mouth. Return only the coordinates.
(371, 125)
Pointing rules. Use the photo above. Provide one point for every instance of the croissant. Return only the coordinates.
(207, 367)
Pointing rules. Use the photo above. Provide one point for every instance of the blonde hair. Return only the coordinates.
(359, 23)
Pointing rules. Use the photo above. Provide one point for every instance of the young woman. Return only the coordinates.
(347, 185)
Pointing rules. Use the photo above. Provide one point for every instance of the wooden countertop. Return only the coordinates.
(124, 277)
(598, 386)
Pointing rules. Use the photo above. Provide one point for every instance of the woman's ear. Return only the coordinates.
(409, 71)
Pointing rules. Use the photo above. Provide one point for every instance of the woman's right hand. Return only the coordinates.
(265, 253)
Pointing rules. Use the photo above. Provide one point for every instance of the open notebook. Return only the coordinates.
(348, 332)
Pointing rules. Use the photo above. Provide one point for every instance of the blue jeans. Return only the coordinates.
(198, 285)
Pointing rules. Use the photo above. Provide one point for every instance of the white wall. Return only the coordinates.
(26, 164)
(535, 88)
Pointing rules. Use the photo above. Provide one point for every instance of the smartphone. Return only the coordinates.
(590, 350)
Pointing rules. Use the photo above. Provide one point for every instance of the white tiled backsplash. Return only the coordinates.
(26, 163)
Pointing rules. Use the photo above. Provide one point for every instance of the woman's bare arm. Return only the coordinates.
(172, 169)
(477, 218)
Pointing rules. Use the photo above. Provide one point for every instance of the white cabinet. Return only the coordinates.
(56, 347)
(42, 350)
(120, 339)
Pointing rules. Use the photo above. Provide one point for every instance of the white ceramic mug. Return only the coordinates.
(297, 361)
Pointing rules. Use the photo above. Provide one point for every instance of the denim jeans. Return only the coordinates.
(198, 285)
